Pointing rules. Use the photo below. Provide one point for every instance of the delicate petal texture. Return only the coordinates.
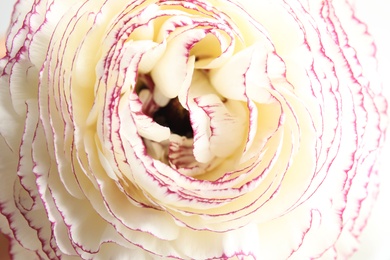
(199, 129)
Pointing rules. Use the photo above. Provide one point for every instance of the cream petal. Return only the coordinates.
(245, 74)
(146, 127)
(174, 70)
(222, 120)
(150, 58)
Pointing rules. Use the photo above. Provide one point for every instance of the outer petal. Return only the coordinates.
(79, 181)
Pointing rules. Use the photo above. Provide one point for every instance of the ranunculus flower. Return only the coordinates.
(188, 129)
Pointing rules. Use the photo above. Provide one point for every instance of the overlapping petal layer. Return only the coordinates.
(188, 129)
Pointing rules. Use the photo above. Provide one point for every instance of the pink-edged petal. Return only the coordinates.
(146, 127)
(174, 69)
(244, 74)
(220, 121)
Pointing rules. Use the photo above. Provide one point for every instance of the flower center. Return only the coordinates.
(169, 113)
(174, 116)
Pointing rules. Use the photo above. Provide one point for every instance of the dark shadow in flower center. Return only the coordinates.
(176, 117)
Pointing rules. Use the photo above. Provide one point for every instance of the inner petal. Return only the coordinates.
(223, 130)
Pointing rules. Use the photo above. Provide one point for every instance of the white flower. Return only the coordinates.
(188, 130)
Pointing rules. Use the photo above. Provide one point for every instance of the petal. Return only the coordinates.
(245, 74)
(146, 127)
(174, 70)
(222, 120)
